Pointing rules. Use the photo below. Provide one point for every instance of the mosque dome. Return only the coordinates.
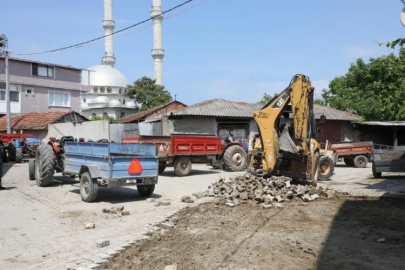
(114, 103)
(104, 75)
(130, 104)
(100, 100)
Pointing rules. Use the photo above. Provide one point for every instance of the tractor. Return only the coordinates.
(49, 158)
(26, 146)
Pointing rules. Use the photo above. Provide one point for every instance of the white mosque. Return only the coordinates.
(108, 85)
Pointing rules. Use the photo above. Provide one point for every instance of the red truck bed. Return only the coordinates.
(182, 144)
(352, 148)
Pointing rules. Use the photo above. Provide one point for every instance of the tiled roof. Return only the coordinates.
(143, 114)
(335, 114)
(35, 121)
(226, 108)
(221, 108)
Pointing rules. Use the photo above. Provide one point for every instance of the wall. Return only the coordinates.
(174, 106)
(39, 101)
(151, 128)
(94, 130)
(189, 124)
(253, 128)
(112, 112)
(350, 132)
(119, 131)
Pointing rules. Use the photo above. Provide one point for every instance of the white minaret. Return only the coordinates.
(157, 52)
(108, 25)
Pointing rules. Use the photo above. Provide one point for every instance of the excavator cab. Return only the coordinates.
(288, 134)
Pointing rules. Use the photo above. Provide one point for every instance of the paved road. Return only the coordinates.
(43, 228)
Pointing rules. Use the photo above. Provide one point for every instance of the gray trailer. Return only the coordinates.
(388, 159)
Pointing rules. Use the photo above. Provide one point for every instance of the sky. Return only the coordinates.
(231, 49)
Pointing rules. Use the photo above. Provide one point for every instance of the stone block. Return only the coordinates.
(102, 243)
(162, 203)
(150, 200)
(267, 206)
(184, 198)
(189, 201)
(279, 199)
(106, 210)
(125, 213)
(89, 225)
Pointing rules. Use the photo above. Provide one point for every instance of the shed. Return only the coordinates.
(37, 123)
(387, 133)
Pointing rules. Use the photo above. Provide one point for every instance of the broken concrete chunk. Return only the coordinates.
(185, 198)
(189, 200)
(106, 210)
(162, 203)
(150, 200)
(125, 213)
(279, 199)
(267, 206)
(113, 211)
(171, 267)
(230, 204)
(120, 208)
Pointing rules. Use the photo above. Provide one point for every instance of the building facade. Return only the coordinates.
(40, 87)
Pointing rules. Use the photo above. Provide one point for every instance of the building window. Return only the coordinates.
(102, 89)
(120, 91)
(14, 96)
(59, 99)
(108, 89)
(29, 91)
(42, 70)
(84, 100)
(122, 114)
(123, 101)
(95, 89)
(2, 85)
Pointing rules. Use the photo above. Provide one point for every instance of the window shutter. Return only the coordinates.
(35, 69)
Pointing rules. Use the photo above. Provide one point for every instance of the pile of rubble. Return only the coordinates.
(119, 210)
(249, 188)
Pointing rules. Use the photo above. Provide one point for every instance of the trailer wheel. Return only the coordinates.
(31, 169)
(161, 168)
(11, 151)
(18, 155)
(88, 187)
(44, 166)
(145, 190)
(360, 161)
(375, 173)
(235, 158)
(348, 162)
(326, 167)
(182, 166)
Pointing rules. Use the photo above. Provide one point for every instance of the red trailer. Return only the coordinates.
(181, 151)
(354, 153)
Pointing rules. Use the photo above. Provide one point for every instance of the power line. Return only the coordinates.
(121, 30)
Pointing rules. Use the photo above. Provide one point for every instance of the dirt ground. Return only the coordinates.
(339, 233)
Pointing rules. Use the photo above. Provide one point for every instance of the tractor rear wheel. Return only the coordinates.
(145, 190)
(44, 165)
(375, 173)
(326, 167)
(88, 187)
(235, 158)
(31, 169)
(18, 155)
(11, 151)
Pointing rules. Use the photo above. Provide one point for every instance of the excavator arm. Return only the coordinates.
(278, 143)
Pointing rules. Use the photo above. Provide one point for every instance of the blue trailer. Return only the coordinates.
(98, 165)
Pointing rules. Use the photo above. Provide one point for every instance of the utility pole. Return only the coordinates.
(4, 45)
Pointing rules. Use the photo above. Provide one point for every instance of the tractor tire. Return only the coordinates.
(182, 166)
(11, 151)
(315, 171)
(360, 161)
(145, 190)
(161, 168)
(349, 162)
(376, 174)
(44, 166)
(235, 158)
(5, 156)
(326, 167)
(88, 187)
(18, 155)
(31, 169)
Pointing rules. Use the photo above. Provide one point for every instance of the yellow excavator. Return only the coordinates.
(286, 144)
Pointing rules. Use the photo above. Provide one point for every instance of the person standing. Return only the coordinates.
(2, 153)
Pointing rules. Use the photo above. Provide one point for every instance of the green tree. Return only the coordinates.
(266, 97)
(374, 90)
(320, 101)
(110, 119)
(148, 94)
